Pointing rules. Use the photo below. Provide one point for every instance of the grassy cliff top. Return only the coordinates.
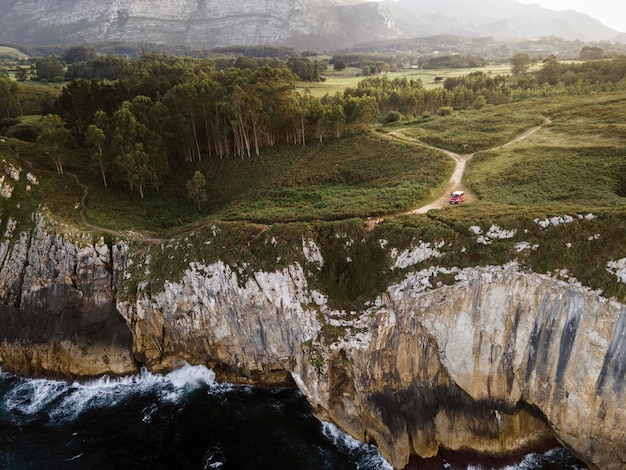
(559, 194)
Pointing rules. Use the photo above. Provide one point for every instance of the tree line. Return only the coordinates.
(400, 98)
(165, 111)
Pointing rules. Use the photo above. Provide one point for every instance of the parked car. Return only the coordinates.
(457, 197)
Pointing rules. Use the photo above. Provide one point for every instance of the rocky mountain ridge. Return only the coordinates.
(301, 24)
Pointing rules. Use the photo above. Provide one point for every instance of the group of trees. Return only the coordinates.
(593, 72)
(408, 97)
(83, 62)
(477, 89)
(10, 98)
(375, 63)
(165, 111)
(453, 61)
(162, 112)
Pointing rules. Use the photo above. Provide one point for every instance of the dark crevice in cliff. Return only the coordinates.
(6, 254)
(538, 352)
(568, 337)
(22, 273)
(614, 366)
(509, 351)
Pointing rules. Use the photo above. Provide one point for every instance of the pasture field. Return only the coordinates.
(12, 53)
(578, 160)
(336, 82)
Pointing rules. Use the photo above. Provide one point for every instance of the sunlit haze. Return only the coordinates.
(610, 12)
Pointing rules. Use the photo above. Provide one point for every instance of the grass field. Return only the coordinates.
(12, 53)
(337, 82)
(576, 161)
(357, 176)
(472, 130)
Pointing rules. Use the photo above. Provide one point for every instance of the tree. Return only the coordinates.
(49, 68)
(520, 63)
(79, 54)
(304, 68)
(136, 149)
(10, 92)
(22, 73)
(480, 102)
(96, 138)
(340, 65)
(551, 71)
(591, 53)
(196, 188)
(53, 138)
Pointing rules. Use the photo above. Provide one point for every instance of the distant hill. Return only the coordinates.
(301, 24)
(502, 19)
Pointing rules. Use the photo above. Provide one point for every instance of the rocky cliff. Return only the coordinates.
(204, 24)
(496, 360)
(58, 311)
(301, 24)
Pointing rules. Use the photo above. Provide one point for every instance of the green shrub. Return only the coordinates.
(7, 123)
(393, 116)
(25, 132)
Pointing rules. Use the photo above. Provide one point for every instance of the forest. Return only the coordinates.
(141, 119)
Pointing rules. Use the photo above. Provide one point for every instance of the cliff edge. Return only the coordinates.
(496, 359)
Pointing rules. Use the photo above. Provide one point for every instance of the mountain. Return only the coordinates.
(503, 19)
(302, 24)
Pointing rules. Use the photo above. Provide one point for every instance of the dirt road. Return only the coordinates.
(455, 183)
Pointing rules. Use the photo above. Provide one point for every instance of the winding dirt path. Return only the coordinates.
(455, 182)
(129, 235)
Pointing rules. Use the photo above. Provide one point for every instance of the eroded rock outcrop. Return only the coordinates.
(500, 360)
(204, 23)
(497, 361)
(58, 311)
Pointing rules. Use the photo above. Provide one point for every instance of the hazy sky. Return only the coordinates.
(611, 12)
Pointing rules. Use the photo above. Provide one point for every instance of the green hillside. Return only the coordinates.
(554, 202)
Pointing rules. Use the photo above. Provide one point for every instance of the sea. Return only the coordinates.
(187, 420)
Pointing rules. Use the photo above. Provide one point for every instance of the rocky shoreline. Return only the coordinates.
(421, 370)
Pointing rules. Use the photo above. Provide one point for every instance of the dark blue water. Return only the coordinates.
(184, 420)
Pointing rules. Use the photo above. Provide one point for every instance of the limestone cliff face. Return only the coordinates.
(499, 361)
(57, 304)
(203, 23)
(474, 364)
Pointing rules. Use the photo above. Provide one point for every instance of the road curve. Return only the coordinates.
(455, 181)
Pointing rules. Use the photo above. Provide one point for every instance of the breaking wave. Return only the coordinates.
(183, 420)
(63, 402)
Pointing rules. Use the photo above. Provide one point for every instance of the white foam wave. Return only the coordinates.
(64, 401)
(371, 458)
(30, 397)
(551, 457)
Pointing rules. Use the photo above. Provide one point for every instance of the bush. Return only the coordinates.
(393, 116)
(445, 111)
(25, 132)
(8, 122)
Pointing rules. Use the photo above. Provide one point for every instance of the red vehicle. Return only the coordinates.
(457, 197)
